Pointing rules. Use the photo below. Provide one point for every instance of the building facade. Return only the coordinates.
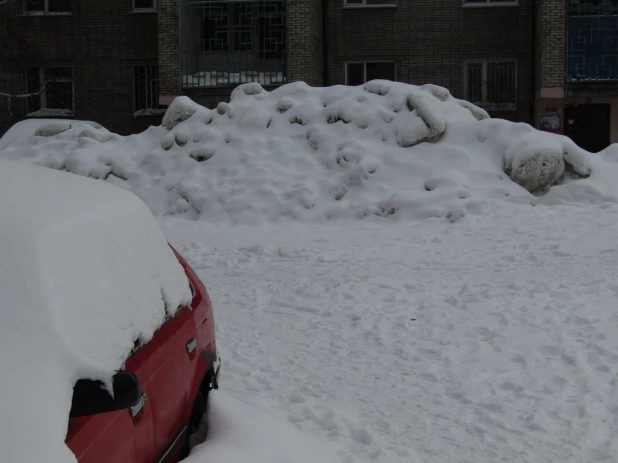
(84, 59)
(577, 59)
(120, 62)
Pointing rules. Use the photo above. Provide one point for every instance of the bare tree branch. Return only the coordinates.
(24, 95)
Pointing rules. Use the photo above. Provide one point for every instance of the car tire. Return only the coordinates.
(198, 425)
(197, 413)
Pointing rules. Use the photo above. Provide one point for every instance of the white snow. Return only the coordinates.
(51, 129)
(315, 154)
(241, 433)
(493, 339)
(50, 112)
(84, 271)
(484, 333)
(214, 78)
(149, 112)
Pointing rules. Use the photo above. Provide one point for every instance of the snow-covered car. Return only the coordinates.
(93, 300)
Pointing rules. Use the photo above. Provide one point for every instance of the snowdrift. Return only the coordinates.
(240, 433)
(384, 149)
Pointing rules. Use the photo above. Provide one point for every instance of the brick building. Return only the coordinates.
(577, 80)
(119, 62)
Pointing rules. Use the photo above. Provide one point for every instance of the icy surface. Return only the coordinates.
(84, 271)
(385, 149)
(493, 339)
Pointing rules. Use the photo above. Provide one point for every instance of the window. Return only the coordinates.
(491, 83)
(359, 73)
(144, 5)
(490, 2)
(360, 3)
(146, 88)
(47, 6)
(226, 43)
(51, 92)
(244, 27)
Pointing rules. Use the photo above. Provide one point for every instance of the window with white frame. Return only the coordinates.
(370, 2)
(489, 2)
(47, 6)
(144, 5)
(51, 91)
(146, 89)
(491, 83)
(361, 72)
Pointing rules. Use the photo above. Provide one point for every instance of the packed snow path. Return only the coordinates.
(489, 340)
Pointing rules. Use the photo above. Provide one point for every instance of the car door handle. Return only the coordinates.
(191, 345)
(135, 409)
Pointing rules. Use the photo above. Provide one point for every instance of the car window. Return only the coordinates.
(138, 343)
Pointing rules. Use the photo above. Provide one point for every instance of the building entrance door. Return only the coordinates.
(588, 125)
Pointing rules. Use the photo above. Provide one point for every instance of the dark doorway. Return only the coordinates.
(588, 125)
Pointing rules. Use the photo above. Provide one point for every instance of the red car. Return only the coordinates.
(159, 397)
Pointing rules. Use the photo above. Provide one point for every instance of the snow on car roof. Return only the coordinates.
(84, 271)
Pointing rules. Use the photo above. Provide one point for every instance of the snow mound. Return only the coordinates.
(84, 271)
(240, 433)
(384, 149)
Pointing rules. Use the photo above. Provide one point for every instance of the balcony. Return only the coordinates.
(225, 43)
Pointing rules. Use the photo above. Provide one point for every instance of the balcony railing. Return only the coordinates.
(227, 43)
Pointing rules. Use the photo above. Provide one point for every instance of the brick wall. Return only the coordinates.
(551, 44)
(304, 37)
(11, 109)
(169, 47)
(101, 40)
(431, 39)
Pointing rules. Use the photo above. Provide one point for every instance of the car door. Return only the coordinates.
(142, 416)
(172, 366)
(122, 436)
(105, 437)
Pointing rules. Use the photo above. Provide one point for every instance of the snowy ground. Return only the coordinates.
(465, 316)
(488, 340)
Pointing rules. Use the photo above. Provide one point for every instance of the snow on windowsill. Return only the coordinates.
(149, 112)
(592, 79)
(216, 79)
(491, 4)
(48, 112)
(48, 13)
(354, 6)
(496, 106)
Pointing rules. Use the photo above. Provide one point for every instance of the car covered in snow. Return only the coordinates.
(107, 331)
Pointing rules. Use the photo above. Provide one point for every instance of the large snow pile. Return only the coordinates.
(382, 149)
(84, 271)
